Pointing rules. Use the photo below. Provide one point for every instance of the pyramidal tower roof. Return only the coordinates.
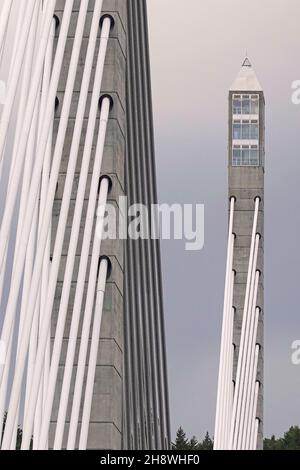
(246, 79)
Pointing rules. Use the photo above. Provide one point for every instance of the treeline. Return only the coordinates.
(289, 441)
(183, 443)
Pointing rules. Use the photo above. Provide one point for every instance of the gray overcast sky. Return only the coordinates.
(196, 51)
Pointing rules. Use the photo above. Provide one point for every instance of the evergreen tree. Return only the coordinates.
(194, 444)
(181, 442)
(273, 444)
(291, 439)
(207, 444)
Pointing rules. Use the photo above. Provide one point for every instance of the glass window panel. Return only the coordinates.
(246, 106)
(245, 156)
(254, 106)
(254, 131)
(254, 157)
(236, 161)
(237, 106)
(245, 130)
(237, 130)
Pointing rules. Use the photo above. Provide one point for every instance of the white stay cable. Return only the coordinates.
(21, 14)
(29, 262)
(244, 351)
(17, 37)
(25, 82)
(16, 388)
(28, 164)
(15, 75)
(21, 108)
(229, 370)
(252, 380)
(4, 18)
(227, 353)
(87, 405)
(254, 402)
(22, 143)
(29, 152)
(46, 261)
(88, 311)
(225, 306)
(61, 226)
(12, 193)
(240, 358)
(256, 428)
(249, 366)
(77, 212)
(89, 224)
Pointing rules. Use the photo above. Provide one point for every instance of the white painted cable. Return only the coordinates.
(252, 380)
(17, 37)
(221, 362)
(4, 19)
(22, 144)
(253, 397)
(239, 365)
(62, 314)
(3, 390)
(229, 370)
(22, 104)
(12, 194)
(87, 405)
(21, 14)
(29, 262)
(17, 382)
(255, 434)
(242, 384)
(61, 226)
(227, 353)
(89, 223)
(87, 316)
(26, 77)
(15, 75)
(249, 366)
(46, 261)
(254, 403)
(29, 153)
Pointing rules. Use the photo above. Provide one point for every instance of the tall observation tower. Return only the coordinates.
(239, 416)
(86, 313)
